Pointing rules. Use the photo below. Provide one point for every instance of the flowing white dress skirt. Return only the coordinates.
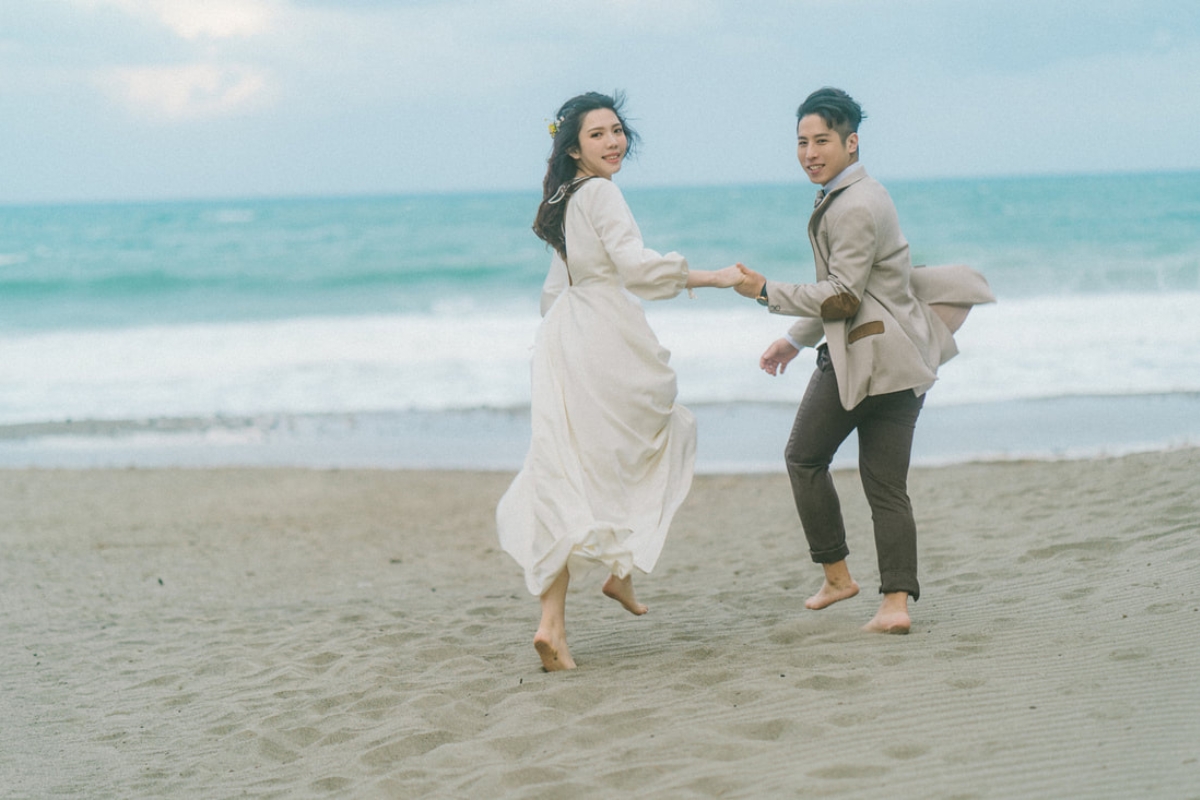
(612, 453)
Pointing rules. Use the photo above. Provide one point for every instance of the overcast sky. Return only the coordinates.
(133, 99)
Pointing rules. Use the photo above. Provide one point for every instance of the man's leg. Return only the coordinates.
(885, 436)
(820, 428)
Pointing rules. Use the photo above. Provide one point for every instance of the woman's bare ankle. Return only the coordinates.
(551, 647)
(621, 590)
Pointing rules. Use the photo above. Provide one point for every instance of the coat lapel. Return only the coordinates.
(814, 222)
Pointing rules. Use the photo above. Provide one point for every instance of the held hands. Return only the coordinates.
(777, 356)
(746, 281)
(727, 277)
(751, 284)
(717, 279)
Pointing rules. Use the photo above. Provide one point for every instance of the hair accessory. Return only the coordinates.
(553, 126)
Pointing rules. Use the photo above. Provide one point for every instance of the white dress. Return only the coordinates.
(612, 454)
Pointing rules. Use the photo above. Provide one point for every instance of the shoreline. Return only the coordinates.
(304, 633)
(733, 438)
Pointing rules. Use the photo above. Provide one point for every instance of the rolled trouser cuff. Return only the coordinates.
(830, 556)
(889, 583)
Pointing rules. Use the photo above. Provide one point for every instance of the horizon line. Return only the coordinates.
(462, 192)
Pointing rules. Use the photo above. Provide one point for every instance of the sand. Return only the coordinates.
(303, 633)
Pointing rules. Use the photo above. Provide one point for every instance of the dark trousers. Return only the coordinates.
(885, 425)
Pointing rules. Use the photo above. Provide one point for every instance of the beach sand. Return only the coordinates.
(321, 633)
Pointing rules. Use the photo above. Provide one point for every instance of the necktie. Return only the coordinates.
(820, 197)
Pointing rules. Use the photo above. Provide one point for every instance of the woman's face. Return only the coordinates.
(602, 145)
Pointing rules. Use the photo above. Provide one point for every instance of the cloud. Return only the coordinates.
(218, 19)
(194, 20)
(190, 91)
(194, 73)
(311, 96)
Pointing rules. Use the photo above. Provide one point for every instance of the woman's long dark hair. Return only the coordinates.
(559, 185)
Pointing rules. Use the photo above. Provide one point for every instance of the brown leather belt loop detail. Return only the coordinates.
(872, 328)
(840, 306)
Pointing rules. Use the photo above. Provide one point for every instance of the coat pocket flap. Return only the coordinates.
(872, 328)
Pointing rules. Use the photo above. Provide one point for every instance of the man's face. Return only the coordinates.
(821, 151)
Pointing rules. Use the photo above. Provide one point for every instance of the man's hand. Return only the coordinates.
(752, 283)
(776, 358)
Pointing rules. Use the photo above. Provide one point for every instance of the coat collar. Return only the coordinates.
(819, 211)
(850, 180)
(858, 175)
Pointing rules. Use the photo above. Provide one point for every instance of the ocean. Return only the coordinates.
(396, 331)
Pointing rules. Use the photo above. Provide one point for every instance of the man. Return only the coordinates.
(883, 344)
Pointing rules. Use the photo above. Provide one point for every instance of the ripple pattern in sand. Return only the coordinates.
(357, 634)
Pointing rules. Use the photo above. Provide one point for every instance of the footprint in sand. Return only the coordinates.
(906, 752)
(844, 771)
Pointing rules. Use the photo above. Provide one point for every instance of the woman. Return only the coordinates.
(611, 454)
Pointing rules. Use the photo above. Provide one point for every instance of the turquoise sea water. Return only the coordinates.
(365, 325)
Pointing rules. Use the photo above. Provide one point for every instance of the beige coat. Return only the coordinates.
(888, 325)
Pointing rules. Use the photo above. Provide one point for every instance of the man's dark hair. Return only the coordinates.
(839, 110)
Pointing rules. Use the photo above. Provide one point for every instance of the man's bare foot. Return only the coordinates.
(621, 590)
(892, 616)
(831, 593)
(553, 651)
(838, 586)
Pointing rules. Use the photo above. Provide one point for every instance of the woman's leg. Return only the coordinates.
(550, 641)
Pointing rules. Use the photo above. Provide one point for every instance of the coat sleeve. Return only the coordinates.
(807, 331)
(646, 273)
(839, 294)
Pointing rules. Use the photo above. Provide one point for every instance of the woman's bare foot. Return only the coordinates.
(550, 641)
(838, 586)
(892, 616)
(621, 590)
(553, 651)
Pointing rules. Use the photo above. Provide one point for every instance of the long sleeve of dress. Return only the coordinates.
(645, 272)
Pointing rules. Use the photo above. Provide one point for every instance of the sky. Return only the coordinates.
(176, 99)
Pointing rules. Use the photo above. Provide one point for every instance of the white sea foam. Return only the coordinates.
(1040, 347)
(1019, 349)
